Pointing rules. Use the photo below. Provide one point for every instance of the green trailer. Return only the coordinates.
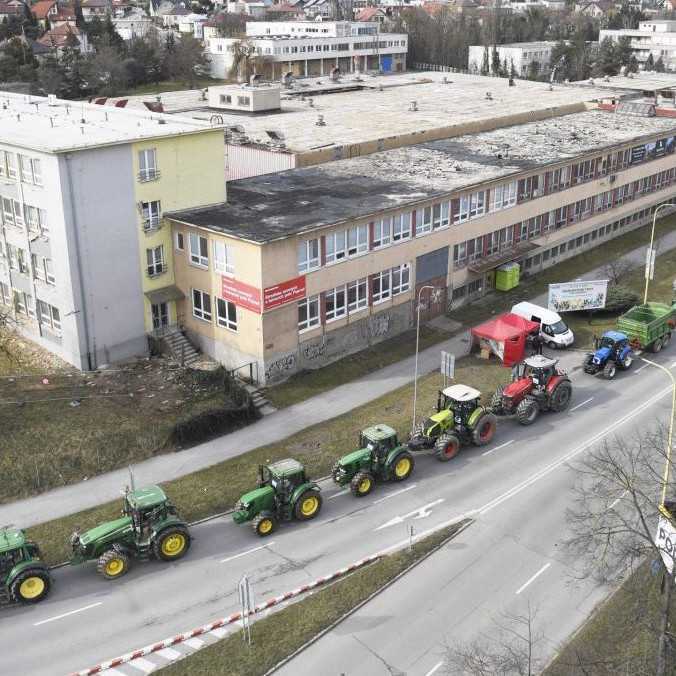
(648, 326)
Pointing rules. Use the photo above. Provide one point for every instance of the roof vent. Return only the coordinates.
(444, 80)
(320, 121)
(161, 121)
(51, 99)
(310, 103)
(489, 96)
(413, 106)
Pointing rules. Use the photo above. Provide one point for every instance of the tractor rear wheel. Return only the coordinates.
(666, 339)
(609, 370)
(657, 345)
(264, 524)
(172, 543)
(308, 505)
(627, 362)
(30, 586)
(402, 467)
(496, 399)
(559, 399)
(112, 564)
(446, 447)
(527, 411)
(484, 430)
(362, 484)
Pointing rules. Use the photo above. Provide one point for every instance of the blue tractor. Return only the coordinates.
(613, 352)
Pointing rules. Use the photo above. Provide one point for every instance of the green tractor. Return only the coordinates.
(380, 458)
(149, 527)
(460, 420)
(284, 493)
(24, 578)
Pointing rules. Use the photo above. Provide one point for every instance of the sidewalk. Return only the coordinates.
(279, 425)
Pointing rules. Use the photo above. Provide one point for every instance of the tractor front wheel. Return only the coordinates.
(527, 411)
(308, 505)
(172, 543)
(112, 564)
(484, 430)
(362, 484)
(609, 370)
(447, 447)
(264, 524)
(561, 396)
(402, 467)
(627, 362)
(30, 586)
(496, 399)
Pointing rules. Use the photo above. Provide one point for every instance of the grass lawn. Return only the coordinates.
(279, 635)
(217, 488)
(172, 86)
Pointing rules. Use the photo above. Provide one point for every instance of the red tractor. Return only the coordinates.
(537, 385)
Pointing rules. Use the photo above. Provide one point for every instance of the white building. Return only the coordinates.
(311, 48)
(656, 37)
(521, 54)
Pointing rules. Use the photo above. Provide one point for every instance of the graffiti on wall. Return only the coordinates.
(379, 325)
(312, 351)
(280, 367)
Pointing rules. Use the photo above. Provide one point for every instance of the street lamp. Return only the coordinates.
(434, 295)
(650, 250)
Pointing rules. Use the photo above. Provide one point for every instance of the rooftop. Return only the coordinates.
(641, 81)
(530, 45)
(274, 206)
(59, 126)
(374, 108)
(146, 497)
(11, 539)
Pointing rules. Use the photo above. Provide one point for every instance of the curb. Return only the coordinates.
(224, 621)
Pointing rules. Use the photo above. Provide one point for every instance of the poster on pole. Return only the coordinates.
(573, 296)
(447, 364)
(665, 541)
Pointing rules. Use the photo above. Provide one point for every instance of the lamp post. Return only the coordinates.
(417, 344)
(650, 250)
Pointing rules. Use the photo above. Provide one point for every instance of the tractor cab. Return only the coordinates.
(282, 476)
(611, 344)
(379, 440)
(538, 368)
(145, 506)
(460, 400)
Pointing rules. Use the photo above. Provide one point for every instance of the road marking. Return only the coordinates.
(72, 612)
(168, 654)
(568, 456)
(335, 495)
(638, 370)
(586, 401)
(497, 448)
(535, 577)
(219, 632)
(146, 666)
(614, 502)
(419, 513)
(434, 669)
(671, 366)
(194, 643)
(399, 492)
(249, 551)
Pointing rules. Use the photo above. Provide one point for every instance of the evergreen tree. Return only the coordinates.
(633, 64)
(495, 61)
(650, 62)
(512, 70)
(484, 64)
(659, 65)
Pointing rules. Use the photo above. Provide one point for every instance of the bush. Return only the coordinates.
(209, 424)
(620, 298)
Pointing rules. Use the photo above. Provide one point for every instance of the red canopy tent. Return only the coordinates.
(505, 336)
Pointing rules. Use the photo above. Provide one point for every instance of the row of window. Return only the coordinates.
(316, 49)
(226, 311)
(16, 214)
(23, 303)
(14, 166)
(198, 250)
(16, 259)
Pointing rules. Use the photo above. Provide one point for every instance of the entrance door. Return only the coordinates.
(433, 303)
(160, 315)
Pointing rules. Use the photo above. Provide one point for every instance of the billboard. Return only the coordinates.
(284, 292)
(649, 151)
(241, 294)
(572, 296)
(665, 541)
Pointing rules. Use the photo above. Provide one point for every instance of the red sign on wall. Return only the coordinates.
(241, 294)
(285, 292)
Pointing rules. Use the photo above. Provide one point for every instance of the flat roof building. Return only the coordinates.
(528, 58)
(656, 37)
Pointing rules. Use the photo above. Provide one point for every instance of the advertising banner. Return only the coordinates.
(665, 540)
(572, 296)
(241, 294)
(285, 292)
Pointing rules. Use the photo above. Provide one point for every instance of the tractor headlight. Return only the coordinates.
(458, 419)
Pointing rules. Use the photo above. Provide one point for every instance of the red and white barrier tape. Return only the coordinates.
(224, 621)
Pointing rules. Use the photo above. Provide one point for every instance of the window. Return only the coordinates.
(336, 305)
(25, 169)
(7, 211)
(155, 261)
(225, 98)
(401, 227)
(199, 250)
(382, 232)
(147, 163)
(201, 305)
(10, 159)
(308, 313)
(475, 287)
(32, 219)
(463, 210)
(150, 212)
(357, 297)
(38, 268)
(477, 205)
(308, 255)
(49, 271)
(357, 240)
(503, 196)
(44, 225)
(18, 213)
(17, 259)
(400, 278)
(224, 258)
(245, 100)
(460, 254)
(475, 249)
(381, 286)
(49, 316)
(440, 215)
(459, 292)
(180, 242)
(226, 314)
(37, 171)
(424, 221)
(335, 246)
(5, 294)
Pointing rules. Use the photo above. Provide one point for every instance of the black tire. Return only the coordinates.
(112, 564)
(609, 370)
(666, 339)
(484, 430)
(656, 346)
(626, 363)
(264, 524)
(527, 411)
(587, 361)
(446, 447)
(301, 509)
(31, 586)
(400, 470)
(561, 396)
(552, 345)
(172, 543)
(496, 399)
(362, 484)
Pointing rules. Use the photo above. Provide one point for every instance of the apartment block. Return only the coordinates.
(306, 266)
(525, 56)
(85, 265)
(656, 37)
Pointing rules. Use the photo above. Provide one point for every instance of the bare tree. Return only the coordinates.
(616, 270)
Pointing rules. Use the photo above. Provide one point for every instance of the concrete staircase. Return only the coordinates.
(182, 350)
(262, 405)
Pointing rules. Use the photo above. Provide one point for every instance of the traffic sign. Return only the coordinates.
(447, 365)
(665, 541)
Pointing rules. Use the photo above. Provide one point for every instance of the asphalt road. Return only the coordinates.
(516, 489)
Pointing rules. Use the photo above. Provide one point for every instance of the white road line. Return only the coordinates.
(586, 401)
(614, 502)
(168, 654)
(399, 492)
(72, 612)
(249, 551)
(335, 495)
(638, 370)
(434, 669)
(532, 579)
(194, 643)
(497, 448)
(671, 366)
(146, 666)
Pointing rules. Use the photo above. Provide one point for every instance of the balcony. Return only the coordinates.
(146, 175)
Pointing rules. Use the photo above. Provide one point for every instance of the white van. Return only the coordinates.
(553, 330)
